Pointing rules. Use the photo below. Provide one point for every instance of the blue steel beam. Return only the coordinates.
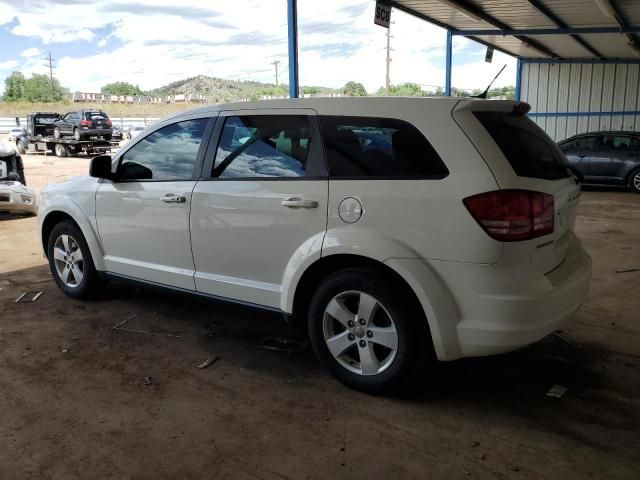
(619, 61)
(292, 20)
(547, 31)
(518, 79)
(447, 68)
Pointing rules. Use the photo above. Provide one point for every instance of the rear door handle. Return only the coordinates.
(171, 198)
(297, 202)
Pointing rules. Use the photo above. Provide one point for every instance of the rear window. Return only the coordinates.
(97, 115)
(365, 147)
(525, 145)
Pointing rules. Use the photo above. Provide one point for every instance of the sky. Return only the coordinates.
(154, 42)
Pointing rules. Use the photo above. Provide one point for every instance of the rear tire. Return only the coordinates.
(56, 132)
(634, 181)
(60, 150)
(71, 263)
(76, 134)
(366, 331)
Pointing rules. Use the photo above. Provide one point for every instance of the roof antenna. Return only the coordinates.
(486, 92)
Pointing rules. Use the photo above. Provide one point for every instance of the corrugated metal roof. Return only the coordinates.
(523, 14)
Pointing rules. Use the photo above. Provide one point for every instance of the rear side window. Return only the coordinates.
(263, 146)
(368, 147)
(619, 143)
(527, 148)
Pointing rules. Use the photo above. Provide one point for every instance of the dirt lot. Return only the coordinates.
(79, 399)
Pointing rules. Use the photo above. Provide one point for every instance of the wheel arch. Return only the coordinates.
(327, 265)
(53, 217)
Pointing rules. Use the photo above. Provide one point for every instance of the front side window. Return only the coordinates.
(169, 153)
(263, 146)
(578, 144)
(378, 147)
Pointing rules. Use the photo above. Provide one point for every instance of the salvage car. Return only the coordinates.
(450, 236)
(15, 196)
(84, 123)
(605, 158)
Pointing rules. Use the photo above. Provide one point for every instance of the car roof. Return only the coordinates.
(603, 132)
(327, 105)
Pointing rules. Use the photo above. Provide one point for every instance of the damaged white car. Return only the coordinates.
(15, 196)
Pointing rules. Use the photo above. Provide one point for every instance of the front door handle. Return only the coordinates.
(297, 202)
(171, 198)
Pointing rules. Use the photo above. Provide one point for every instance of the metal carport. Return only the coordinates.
(578, 60)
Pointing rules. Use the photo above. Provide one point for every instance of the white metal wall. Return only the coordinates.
(597, 89)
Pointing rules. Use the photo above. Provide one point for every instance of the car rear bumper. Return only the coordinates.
(88, 131)
(17, 199)
(510, 307)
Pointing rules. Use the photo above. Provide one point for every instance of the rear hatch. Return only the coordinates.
(523, 157)
(98, 119)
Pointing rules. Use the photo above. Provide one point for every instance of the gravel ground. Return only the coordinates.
(79, 399)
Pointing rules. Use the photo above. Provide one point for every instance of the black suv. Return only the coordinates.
(82, 124)
(605, 158)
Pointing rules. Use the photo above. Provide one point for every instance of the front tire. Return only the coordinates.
(70, 261)
(634, 181)
(20, 147)
(76, 134)
(366, 332)
(56, 132)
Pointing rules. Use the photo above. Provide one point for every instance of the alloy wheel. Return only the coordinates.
(68, 260)
(636, 181)
(360, 333)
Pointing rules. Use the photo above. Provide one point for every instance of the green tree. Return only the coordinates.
(121, 88)
(403, 90)
(311, 90)
(354, 89)
(14, 87)
(38, 88)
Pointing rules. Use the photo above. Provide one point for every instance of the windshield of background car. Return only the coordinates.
(46, 120)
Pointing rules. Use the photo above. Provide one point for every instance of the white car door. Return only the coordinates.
(143, 216)
(265, 199)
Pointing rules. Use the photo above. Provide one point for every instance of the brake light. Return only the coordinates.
(513, 215)
(108, 123)
(85, 122)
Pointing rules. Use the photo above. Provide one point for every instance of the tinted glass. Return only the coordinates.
(263, 146)
(581, 143)
(166, 154)
(95, 115)
(619, 143)
(527, 148)
(378, 147)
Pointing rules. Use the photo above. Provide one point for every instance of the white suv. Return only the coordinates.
(398, 228)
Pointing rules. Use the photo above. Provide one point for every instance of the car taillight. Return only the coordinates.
(512, 215)
(85, 122)
(108, 123)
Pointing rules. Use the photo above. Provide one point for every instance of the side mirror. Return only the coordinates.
(101, 167)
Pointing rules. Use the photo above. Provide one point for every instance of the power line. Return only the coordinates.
(49, 64)
(276, 63)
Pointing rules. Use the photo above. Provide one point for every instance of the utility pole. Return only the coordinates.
(49, 64)
(388, 60)
(276, 63)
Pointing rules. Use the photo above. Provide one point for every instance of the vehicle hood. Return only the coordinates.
(69, 184)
